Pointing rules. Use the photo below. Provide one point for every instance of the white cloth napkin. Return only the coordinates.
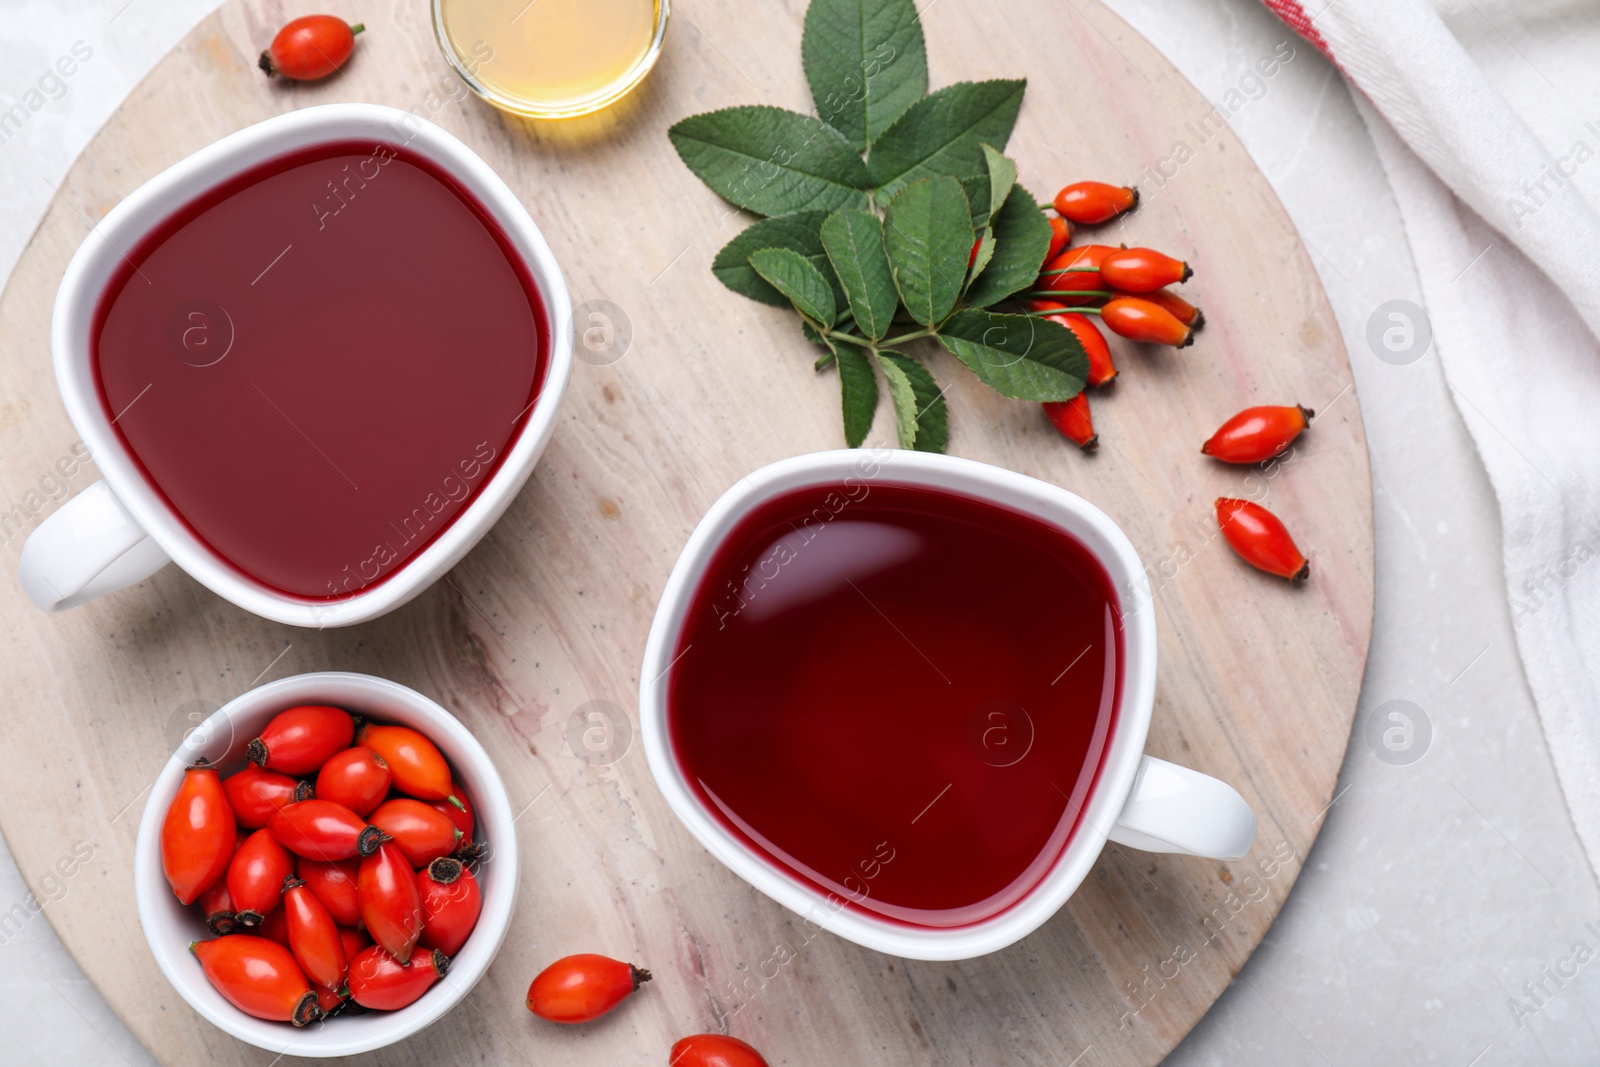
(1487, 120)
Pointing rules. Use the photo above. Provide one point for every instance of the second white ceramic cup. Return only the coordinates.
(1138, 800)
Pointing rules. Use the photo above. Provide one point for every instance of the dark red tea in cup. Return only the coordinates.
(320, 363)
(898, 695)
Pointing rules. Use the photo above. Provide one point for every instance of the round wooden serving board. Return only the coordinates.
(1258, 679)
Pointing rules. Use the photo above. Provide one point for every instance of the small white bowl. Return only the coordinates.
(221, 739)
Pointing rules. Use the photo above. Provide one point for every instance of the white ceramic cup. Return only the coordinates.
(1138, 800)
(119, 531)
(221, 739)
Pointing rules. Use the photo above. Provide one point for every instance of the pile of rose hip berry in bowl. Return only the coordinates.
(314, 862)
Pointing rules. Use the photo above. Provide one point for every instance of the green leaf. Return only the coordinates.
(772, 161)
(866, 63)
(921, 419)
(1021, 238)
(927, 231)
(793, 275)
(798, 232)
(858, 393)
(1017, 355)
(854, 242)
(944, 134)
(1002, 175)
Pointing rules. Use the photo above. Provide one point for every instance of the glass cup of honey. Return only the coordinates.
(551, 59)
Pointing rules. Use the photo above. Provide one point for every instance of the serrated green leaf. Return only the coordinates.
(1002, 176)
(921, 418)
(1018, 356)
(927, 232)
(793, 275)
(1021, 239)
(943, 134)
(799, 231)
(866, 62)
(854, 243)
(772, 161)
(858, 393)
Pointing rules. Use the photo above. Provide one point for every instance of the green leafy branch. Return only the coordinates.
(894, 219)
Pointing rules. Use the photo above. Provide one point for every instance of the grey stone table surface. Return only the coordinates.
(1448, 883)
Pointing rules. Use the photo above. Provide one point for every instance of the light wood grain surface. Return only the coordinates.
(1258, 680)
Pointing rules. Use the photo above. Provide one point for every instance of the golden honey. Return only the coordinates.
(551, 58)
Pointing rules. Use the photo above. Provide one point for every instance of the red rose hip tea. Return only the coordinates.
(898, 695)
(319, 363)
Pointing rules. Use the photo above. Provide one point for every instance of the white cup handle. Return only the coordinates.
(1174, 809)
(89, 547)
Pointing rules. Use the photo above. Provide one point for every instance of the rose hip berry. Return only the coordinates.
(1071, 417)
(577, 989)
(450, 905)
(310, 47)
(1142, 270)
(197, 833)
(301, 740)
(1261, 539)
(256, 876)
(1139, 320)
(1257, 434)
(259, 977)
(714, 1050)
(1087, 203)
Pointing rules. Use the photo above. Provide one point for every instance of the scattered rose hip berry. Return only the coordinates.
(1073, 277)
(1138, 319)
(1102, 371)
(1088, 203)
(714, 1050)
(1142, 270)
(1258, 434)
(1071, 417)
(1174, 305)
(310, 47)
(577, 989)
(1060, 237)
(1261, 539)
